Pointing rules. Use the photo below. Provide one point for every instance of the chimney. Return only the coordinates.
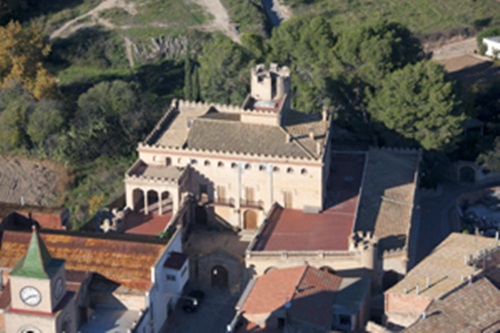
(417, 289)
(311, 133)
(324, 113)
(318, 148)
(288, 138)
(189, 122)
(427, 282)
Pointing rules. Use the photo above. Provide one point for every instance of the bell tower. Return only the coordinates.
(39, 299)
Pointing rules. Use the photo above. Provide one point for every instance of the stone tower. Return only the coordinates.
(270, 84)
(39, 300)
(269, 99)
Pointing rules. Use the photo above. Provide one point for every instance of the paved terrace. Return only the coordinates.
(294, 230)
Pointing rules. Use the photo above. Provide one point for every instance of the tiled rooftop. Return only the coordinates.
(388, 195)
(145, 224)
(123, 261)
(473, 308)
(445, 267)
(294, 230)
(141, 169)
(204, 127)
(309, 290)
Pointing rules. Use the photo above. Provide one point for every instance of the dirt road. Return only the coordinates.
(34, 182)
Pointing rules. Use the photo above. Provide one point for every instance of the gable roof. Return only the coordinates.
(119, 259)
(473, 308)
(445, 268)
(37, 263)
(309, 290)
(388, 194)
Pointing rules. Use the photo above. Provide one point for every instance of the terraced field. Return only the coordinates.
(34, 182)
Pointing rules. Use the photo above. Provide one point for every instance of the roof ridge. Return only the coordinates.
(297, 287)
(297, 143)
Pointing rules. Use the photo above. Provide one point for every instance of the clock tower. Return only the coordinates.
(40, 302)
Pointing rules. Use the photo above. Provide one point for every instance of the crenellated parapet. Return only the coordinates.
(209, 153)
(183, 105)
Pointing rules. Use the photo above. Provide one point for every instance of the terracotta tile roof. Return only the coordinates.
(142, 224)
(310, 291)
(387, 196)
(125, 261)
(294, 230)
(235, 136)
(445, 267)
(473, 308)
(8, 208)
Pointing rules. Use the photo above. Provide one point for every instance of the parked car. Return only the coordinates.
(193, 300)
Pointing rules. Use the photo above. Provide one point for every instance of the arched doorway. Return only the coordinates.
(467, 174)
(152, 201)
(200, 215)
(269, 269)
(220, 277)
(250, 220)
(137, 199)
(389, 279)
(327, 269)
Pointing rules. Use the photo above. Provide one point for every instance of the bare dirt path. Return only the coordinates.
(32, 181)
(71, 26)
(221, 21)
(455, 49)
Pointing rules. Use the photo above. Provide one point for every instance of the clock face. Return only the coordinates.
(30, 296)
(58, 287)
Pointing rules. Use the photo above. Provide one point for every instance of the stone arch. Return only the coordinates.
(269, 269)
(467, 174)
(152, 201)
(389, 279)
(220, 277)
(166, 202)
(250, 220)
(327, 269)
(137, 199)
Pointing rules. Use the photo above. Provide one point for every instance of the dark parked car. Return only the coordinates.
(192, 300)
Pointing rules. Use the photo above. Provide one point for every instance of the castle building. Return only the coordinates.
(237, 161)
(266, 168)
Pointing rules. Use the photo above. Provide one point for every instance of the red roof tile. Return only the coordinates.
(124, 261)
(294, 230)
(142, 224)
(309, 290)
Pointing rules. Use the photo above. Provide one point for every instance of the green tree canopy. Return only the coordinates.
(491, 159)
(26, 123)
(224, 71)
(110, 120)
(418, 102)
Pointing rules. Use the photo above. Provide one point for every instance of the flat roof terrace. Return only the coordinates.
(294, 230)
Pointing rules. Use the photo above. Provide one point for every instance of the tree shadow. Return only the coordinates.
(31, 9)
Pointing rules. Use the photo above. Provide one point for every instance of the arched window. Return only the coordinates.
(193, 161)
(168, 161)
(234, 165)
(303, 172)
(276, 169)
(207, 163)
(262, 167)
(247, 166)
(220, 164)
(289, 170)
